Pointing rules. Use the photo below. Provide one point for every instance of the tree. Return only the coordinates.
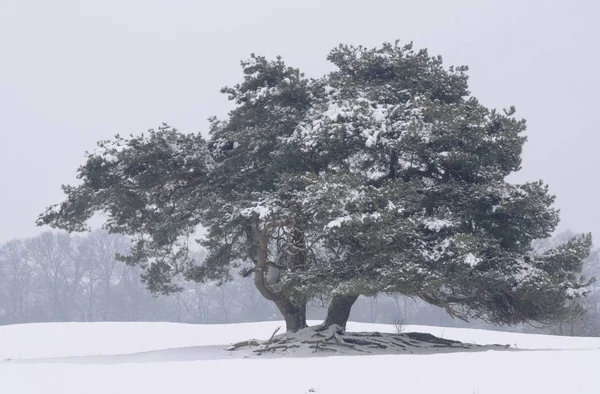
(16, 283)
(54, 256)
(97, 253)
(581, 317)
(384, 176)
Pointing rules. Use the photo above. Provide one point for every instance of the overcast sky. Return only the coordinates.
(74, 72)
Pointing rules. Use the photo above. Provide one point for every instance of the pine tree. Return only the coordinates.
(384, 176)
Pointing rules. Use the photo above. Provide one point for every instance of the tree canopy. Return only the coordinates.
(385, 175)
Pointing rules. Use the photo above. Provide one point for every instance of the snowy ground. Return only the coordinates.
(149, 358)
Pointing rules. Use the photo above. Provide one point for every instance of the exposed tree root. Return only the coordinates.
(318, 347)
(334, 340)
(248, 343)
(253, 342)
(275, 347)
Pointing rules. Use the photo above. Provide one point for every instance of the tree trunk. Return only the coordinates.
(339, 310)
(294, 315)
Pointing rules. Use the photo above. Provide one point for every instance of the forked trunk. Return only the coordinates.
(339, 310)
(294, 312)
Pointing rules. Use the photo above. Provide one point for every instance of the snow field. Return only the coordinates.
(106, 358)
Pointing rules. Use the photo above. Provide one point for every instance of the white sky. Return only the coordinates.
(73, 72)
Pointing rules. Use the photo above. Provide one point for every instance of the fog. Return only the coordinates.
(73, 72)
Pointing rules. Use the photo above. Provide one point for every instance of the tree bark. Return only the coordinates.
(339, 310)
(294, 315)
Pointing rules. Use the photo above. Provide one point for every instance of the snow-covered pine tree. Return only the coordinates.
(385, 175)
(413, 198)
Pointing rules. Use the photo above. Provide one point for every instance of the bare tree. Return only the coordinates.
(55, 258)
(16, 281)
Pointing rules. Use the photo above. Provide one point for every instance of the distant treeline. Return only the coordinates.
(57, 277)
